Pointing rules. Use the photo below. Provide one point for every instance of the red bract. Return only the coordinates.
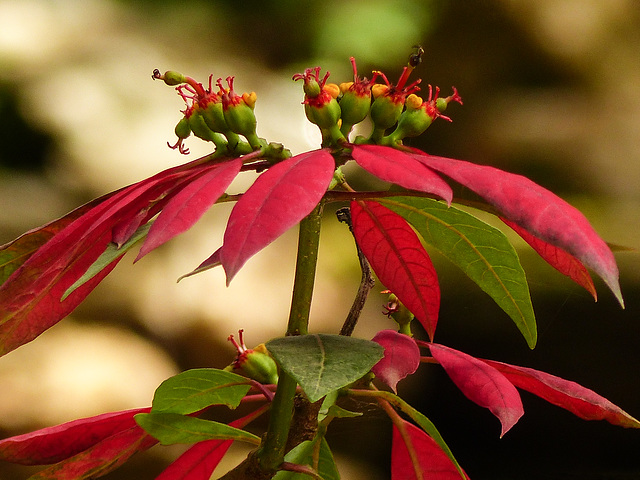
(481, 383)
(396, 167)
(278, 200)
(575, 398)
(188, 205)
(559, 259)
(415, 455)
(53, 444)
(535, 209)
(399, 259)
(82, 449)
(32, 297)
(401, 357)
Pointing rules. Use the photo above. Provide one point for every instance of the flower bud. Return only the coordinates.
(355, 102)
(238, 113)
(320, 104)
(396, 310)
(169, 77)
(254, 363)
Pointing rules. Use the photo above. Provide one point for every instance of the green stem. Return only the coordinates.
(272, 452)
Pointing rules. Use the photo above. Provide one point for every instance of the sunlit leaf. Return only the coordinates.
(30, 299)
(571, 396)
(189, 204)
(537, 210)
(196, 389)
(480, 250)
(481, 383)
(18, 251)
(322, 363)
(401, 357)
(172, 428)
(398, 259)
(394, 166)
(277, 200)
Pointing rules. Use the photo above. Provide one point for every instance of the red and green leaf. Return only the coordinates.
(398, 259)
(277, 200)
(559, 259)
(537, 210)
(566, 394)
(401, 357)
(415, 456)
(394, 166)
(481, 383)
(15, 253)
(482, 252)
(31, 300)
(54, 444)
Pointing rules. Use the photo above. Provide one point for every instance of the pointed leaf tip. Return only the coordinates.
(535, 209)
(482, 384)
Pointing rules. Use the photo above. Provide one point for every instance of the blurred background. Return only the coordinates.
(551, 90)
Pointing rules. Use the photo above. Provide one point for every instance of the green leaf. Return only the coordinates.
(322, 363)
(111, 253)
(172, 428)
(302, 454)
(193, 390)
(483, 252)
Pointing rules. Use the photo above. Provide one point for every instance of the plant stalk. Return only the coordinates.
(273, 449)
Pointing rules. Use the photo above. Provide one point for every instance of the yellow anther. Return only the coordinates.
(379, 89)
(250, 99)
(333, 89)
(345, 86)
(413, 102)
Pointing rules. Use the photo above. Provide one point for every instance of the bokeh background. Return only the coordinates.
(551, 90)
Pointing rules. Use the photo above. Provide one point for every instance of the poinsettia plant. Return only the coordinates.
(302, 379)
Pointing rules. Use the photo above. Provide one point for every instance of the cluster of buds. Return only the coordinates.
(221, 117)
(336, 109)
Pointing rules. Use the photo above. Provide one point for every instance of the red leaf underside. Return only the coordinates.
(481, 383)
(394, 166)
(566, 394)
(30, 298)
(537, 210)
(401, 357)
(54, 444)
(559, 259)
(100, 459)
(398, 259)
